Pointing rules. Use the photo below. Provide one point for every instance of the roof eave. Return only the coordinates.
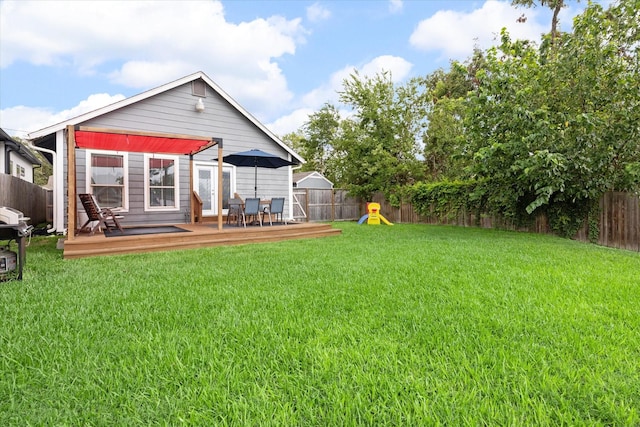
(152, 92)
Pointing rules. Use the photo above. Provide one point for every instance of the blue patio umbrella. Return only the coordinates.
(257, 159)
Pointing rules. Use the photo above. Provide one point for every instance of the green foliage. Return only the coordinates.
(539, 128)
(378, 145)
(444, 140)
(594, 222)
(553, 130)
(40, 174)
(317, 145)
(375, 148)
(445, 199)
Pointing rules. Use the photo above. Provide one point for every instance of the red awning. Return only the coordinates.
(138, 143)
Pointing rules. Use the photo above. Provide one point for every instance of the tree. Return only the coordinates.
(320, 133)
(378, 145)
(554, 133)
(41, 174)
(444, 140)
(555, 5)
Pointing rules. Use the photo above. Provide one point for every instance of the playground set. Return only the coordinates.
(373, 215)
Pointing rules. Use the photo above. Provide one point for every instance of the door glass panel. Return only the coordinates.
(204, 187)
(226, 188)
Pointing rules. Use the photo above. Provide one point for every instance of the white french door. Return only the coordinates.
(205, 178)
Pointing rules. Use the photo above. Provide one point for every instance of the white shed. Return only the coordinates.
(311, 180)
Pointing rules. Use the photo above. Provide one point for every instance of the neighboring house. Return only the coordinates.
(311, 180)
(16, 159)
(149, 153)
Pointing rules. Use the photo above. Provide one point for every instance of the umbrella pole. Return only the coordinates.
(255, 180)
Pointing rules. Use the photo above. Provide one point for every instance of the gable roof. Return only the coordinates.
(19, 148)
(160, 89)
(301, 176)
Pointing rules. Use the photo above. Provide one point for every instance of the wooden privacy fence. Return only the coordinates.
(314, 204)
(619, 222)
(31, 199)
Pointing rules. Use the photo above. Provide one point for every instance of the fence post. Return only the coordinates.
(333, 205)
(306, 204)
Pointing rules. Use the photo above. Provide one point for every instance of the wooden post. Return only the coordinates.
(72, 210)
(306, 203)
(220, 176)
(191, 213)
(333, 205)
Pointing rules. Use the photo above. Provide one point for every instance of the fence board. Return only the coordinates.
(28, 198)
(620, 221)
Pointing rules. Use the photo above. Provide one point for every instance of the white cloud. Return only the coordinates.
(290, 122)
(395, 6)
(316, 12)
(328, 92)
(399, 67)
(313, 100)
(24, 119)
(136, 44)
(456, 33)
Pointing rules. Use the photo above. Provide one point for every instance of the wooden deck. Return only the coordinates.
(200, 235)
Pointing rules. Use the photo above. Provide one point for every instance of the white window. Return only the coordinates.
(162, 191)
(107, 178)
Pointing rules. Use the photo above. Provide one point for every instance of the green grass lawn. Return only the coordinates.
(402, 325)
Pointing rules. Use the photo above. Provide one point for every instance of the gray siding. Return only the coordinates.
(174, 112)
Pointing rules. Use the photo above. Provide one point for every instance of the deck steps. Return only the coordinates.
(199, 237)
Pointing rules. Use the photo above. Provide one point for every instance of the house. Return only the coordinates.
(154, 154)
(16, 159)
(311, 180)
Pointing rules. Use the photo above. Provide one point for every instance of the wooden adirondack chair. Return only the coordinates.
(104, 217)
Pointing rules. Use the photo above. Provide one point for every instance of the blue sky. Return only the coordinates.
(281, 60)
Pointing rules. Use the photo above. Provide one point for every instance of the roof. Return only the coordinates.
(20, 148)
(48, 131)
(301, 176)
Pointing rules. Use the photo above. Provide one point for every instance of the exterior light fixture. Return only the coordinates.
(199, 105)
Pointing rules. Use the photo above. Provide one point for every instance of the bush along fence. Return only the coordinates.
(614, 221)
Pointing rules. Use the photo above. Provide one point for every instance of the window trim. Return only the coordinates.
(147, 187)
(125, 167)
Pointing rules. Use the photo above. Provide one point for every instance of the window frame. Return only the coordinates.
(148, 187)
(199, 88)
(125, 174)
